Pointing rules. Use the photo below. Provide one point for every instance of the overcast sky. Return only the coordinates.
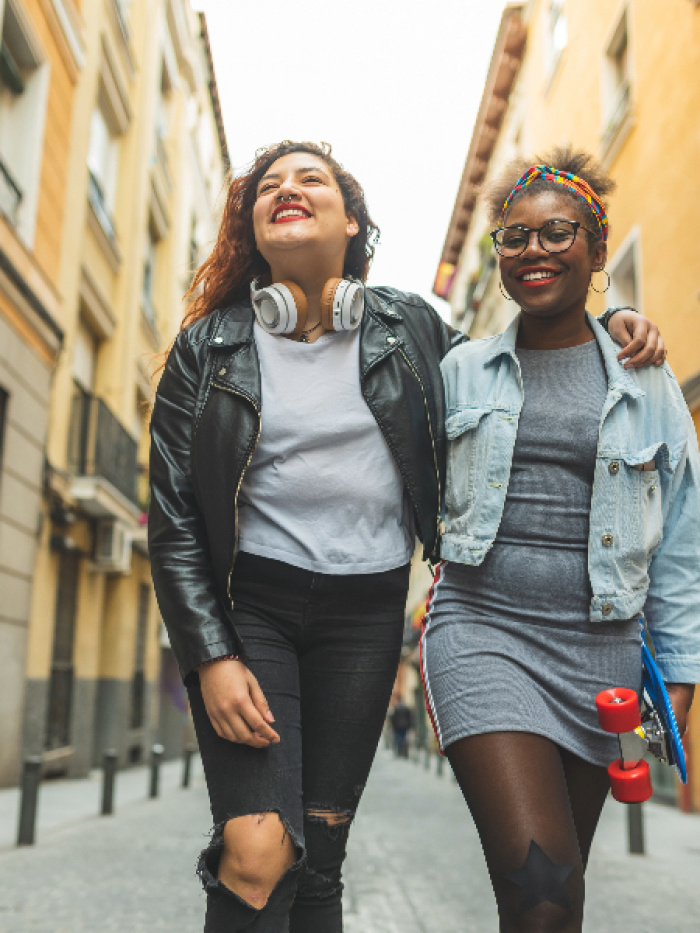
(393, 85)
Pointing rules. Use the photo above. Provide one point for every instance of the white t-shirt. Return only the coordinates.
(322, 491)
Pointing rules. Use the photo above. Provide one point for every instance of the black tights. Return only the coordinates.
(536, 808)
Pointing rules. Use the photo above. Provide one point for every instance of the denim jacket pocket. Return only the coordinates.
(645, 503)
(467, 442)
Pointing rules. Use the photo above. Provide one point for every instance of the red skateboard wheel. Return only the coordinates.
(631, 784)
(618, 709)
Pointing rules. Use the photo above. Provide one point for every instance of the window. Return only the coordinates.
(103, 158)
(122, 8)
(23, 95)
(625, 269)
(616, 86)
(149, 276)
(556, 37)
(84, 365)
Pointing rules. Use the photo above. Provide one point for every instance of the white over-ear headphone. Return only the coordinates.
(281, 308)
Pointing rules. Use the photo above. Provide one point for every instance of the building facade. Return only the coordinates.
(622, 81)
(41, 58)
(134, 194)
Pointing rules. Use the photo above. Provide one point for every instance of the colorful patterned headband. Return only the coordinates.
(580, 187)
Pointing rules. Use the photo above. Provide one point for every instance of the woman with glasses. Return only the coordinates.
(572, 507)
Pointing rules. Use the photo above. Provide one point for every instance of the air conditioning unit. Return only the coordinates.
(112, 546)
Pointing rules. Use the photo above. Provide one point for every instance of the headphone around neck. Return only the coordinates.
(281, 308)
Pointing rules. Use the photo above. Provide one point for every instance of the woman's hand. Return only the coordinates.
(641, 342)
(235, 704)
(681, 697)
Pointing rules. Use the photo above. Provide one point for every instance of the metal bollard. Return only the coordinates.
(426, 763)
(635, 829)
(156, 758)
(187, 754)
(109, 770)
(31, 778)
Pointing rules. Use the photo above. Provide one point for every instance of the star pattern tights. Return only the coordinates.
(536, 808)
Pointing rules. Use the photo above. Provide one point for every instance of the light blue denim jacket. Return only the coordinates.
(644, 539)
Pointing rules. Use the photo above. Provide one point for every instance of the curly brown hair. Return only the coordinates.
(566, 159)
(225, 276)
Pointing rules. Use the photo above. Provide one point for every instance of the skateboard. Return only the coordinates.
(650, 727)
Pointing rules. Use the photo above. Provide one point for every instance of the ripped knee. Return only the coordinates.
(326, 832)
(250, 854)
(333, 819)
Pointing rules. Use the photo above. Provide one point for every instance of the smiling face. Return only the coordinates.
(549, 285)
(300, 217)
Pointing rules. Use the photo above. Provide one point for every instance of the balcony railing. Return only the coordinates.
(10, 194)
(99, 445)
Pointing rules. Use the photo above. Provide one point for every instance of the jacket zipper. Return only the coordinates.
(240, 481)
(432, 442)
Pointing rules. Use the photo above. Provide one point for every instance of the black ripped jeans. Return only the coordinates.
(325, 650)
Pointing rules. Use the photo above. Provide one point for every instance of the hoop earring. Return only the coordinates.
(503, 291)
(601, 290)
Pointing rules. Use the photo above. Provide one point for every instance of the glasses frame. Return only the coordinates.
(538, 230)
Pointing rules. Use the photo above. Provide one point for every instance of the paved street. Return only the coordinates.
(414, 865)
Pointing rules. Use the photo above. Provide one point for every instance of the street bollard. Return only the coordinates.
(109, 770)
(31, 778)
(440, 765)
(156, 758)
(635, 829)
(426, 763)
(187, 755)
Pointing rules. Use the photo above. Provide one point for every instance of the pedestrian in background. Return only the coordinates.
(572, 506)
(297, 448)
(401, 719)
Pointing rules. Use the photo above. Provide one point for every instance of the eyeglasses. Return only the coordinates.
(556, 236)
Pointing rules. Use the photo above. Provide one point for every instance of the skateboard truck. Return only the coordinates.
(651, 728)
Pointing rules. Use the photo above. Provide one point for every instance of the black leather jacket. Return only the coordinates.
(204, 429)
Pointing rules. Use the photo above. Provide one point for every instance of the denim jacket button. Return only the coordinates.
(607, 540)
(607, 609)
(614, 467)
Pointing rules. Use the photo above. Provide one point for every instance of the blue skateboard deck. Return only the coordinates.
(656, 698)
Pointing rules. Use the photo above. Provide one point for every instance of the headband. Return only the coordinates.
(570, 181)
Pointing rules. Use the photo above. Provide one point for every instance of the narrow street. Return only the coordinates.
(414, 866)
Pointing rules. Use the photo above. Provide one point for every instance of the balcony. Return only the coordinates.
(10, 194)
(102, 458)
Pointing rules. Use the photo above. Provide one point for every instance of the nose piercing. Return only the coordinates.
(283, 199)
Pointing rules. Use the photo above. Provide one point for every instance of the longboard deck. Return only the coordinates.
(656, 696)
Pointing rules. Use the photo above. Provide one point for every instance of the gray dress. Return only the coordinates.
(508, 645)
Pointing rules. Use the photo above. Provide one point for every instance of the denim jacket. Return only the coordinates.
(644, 538)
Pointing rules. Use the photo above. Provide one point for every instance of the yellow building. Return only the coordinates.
(134, 161)
(41, 56)
(621, 80)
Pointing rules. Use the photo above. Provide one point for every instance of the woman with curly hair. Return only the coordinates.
(297, 449)
(572, 506)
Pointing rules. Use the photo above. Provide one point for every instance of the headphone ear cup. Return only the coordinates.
(327, 296)
(302, 306)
